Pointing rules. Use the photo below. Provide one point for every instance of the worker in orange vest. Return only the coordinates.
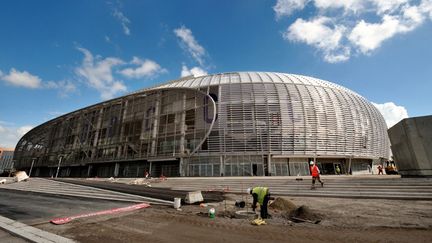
(315, 174)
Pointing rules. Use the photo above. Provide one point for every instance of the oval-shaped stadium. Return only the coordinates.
(229, 124)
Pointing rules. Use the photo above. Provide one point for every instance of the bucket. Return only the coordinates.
(212, 212)
(177, 202)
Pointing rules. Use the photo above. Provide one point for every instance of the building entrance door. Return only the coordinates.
(165, 168)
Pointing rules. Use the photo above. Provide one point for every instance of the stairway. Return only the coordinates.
(41, 185)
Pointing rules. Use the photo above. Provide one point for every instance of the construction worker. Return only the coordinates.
(315, 174)
(338, 171)
(260, 195)
(380, 170)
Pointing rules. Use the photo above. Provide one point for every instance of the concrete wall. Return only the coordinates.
(411, 144)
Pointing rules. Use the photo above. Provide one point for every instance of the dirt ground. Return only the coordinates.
(341, 220)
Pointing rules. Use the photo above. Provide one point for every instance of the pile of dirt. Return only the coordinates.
(283, 205)
(304, 212)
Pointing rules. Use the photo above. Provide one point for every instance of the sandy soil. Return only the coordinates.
(342, 220)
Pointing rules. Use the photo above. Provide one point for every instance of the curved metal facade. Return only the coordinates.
(246, 123)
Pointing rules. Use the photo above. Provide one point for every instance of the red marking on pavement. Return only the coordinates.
(109, 211)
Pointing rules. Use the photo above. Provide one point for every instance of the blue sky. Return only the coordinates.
(59, 56)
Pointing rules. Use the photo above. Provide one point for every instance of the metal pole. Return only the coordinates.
(58, 167)
(31, 167)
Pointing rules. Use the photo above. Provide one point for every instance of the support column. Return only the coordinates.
(183, 125)
(95, 139)
(150, 169)
(181, 167)
(31, 167)
(349, 166)
(116, 169)
(58, 166)
(183, 129)
(155, 124)
(222, 167)
(89, 170)
(269, 165)
(120, 147)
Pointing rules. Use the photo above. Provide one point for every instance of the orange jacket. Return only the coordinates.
(315, 171)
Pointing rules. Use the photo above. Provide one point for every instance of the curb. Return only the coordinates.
(30, 233)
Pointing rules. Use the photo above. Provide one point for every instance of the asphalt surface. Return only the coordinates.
(38, 208)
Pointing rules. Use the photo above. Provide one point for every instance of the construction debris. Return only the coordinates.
(177, 202)
(21, 176)
(140, 181)
(194, 197)
(203, 205)
(258, 222)
(240, 204)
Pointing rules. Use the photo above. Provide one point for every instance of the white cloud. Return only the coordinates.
(343, 27)
(64, 87)
(97, 73)
(388, 6)
(23, 130)
(146, 68)
(369, 36)
(347, 5)
(189, 43)
(195, 71)
(320, 34)
(9, 135)
(22, 79)
(27, 80)
(123, 20)
(287, 7)
(391, 112)
(426, 7)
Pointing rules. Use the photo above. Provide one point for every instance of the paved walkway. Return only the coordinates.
(28, 233)
(5, 236)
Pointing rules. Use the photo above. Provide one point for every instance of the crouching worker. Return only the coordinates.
(260, 195)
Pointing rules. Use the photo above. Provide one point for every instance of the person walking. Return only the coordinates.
(260, 195)
(380, 170)
(315, 174)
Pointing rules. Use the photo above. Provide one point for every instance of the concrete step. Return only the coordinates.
(40, 185)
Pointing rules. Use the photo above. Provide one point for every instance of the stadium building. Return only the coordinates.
(229, 124)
